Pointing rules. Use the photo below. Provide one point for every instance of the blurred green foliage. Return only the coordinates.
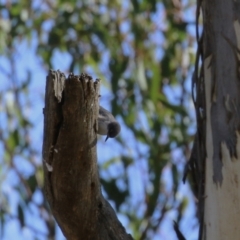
(142, 51)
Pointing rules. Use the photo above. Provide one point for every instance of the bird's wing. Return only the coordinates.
(105, 114)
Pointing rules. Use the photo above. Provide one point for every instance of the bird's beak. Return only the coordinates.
(106, 138)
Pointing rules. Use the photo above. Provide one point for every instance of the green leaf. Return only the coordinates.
(21, 216)
(114, 193)
(32, 182)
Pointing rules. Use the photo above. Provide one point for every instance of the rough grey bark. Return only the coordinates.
(220, 44)
(218, 118)
(72, 185)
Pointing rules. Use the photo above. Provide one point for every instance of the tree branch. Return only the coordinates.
(72, 185)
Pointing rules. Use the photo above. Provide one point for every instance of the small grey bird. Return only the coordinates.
(107, 124)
